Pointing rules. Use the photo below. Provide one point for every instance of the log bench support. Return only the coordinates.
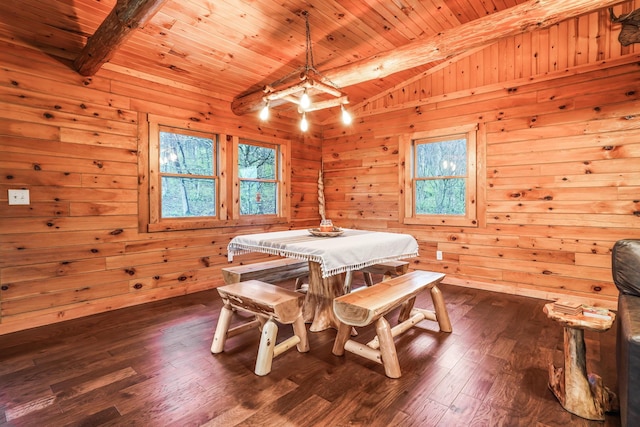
(270, 304)
(272, 271)
(371, 304)
(388, 270)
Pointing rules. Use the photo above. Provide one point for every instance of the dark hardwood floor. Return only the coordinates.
(151, 366)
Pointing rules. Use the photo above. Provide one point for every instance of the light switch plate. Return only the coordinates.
(439, 255)
(18, 197)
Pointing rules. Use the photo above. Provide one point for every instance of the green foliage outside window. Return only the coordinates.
(185, 197)
(258, 174)
(440, 177)
(188, 175)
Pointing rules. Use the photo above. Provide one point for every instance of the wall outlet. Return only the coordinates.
(439, 255)
(18, 197)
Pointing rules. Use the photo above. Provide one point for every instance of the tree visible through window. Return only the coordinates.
(258, 173)
(198, 178)
(187, 175)
(439, 176)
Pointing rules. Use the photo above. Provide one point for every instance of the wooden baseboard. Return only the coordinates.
(606, 301)
(30, 320)
(9, 324)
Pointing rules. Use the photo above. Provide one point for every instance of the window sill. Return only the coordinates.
(191, 224)
(442, 221)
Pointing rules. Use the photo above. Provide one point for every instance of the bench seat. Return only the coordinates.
(371, 305)
(270, 304)
(272, 271)
(388, 270)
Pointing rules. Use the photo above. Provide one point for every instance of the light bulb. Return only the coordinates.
(346, 117)
(264, 113)
(305, 101)
(304, 125)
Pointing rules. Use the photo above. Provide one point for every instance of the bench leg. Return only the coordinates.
(261, 321)
(368, 279)
(344, 333)
(387, 276)
(405, 309)
(442, 315)
(300, 330)
(300, 286)
(348, 279)
(267, 344)
(220, 336)
(387, 349)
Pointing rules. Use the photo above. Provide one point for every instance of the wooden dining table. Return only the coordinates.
(332, 260)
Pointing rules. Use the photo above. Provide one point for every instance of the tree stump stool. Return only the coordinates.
(580, 393)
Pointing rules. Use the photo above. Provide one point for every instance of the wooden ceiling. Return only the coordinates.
(232, 49)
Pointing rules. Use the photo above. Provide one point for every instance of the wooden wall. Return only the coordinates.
(559, 173)
(75, 142)
(559, 160)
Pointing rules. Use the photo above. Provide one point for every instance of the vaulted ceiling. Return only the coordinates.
(232, 49)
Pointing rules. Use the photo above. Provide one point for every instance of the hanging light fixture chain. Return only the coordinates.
(323, 84)
(309, 65)
(309, 62)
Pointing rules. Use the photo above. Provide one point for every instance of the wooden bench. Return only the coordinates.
(270, 304)
(372, 304)
(388, 270)
(268, 271)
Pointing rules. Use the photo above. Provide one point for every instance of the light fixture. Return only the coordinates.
(346, 117)
(310, 82)
(264, 113)
(305, 101)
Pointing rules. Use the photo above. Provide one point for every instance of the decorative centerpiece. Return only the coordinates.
(321, 197)
(326, 229)
(326, 225)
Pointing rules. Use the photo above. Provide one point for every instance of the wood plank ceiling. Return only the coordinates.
(232, 49)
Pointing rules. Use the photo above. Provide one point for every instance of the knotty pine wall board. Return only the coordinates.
(556, 94)
(77, 249)
(560, 170)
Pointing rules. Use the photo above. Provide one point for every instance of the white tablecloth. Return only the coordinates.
(352, 250)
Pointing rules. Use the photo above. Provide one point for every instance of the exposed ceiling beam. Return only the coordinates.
(526, 17)
(119, 25)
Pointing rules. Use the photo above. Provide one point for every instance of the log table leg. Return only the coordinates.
(581, 394)
(318, 305)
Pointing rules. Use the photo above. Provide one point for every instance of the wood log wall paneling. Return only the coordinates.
(73, 142)
(559, 160)
(572, 43)
(559, 114)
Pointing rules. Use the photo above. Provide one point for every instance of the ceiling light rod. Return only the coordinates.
(272, 94)
(299, 93)
(321, 105)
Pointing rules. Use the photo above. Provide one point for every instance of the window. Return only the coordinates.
(258, 174)
(440, 177)
(188, 174)
(190, 184)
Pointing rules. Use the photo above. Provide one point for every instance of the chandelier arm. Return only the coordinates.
(321, 105)
(325, 88)
(282, 93)
(309, 78)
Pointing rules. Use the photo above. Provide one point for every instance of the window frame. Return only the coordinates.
(407, 144)
(283, 171)
(228, 204)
